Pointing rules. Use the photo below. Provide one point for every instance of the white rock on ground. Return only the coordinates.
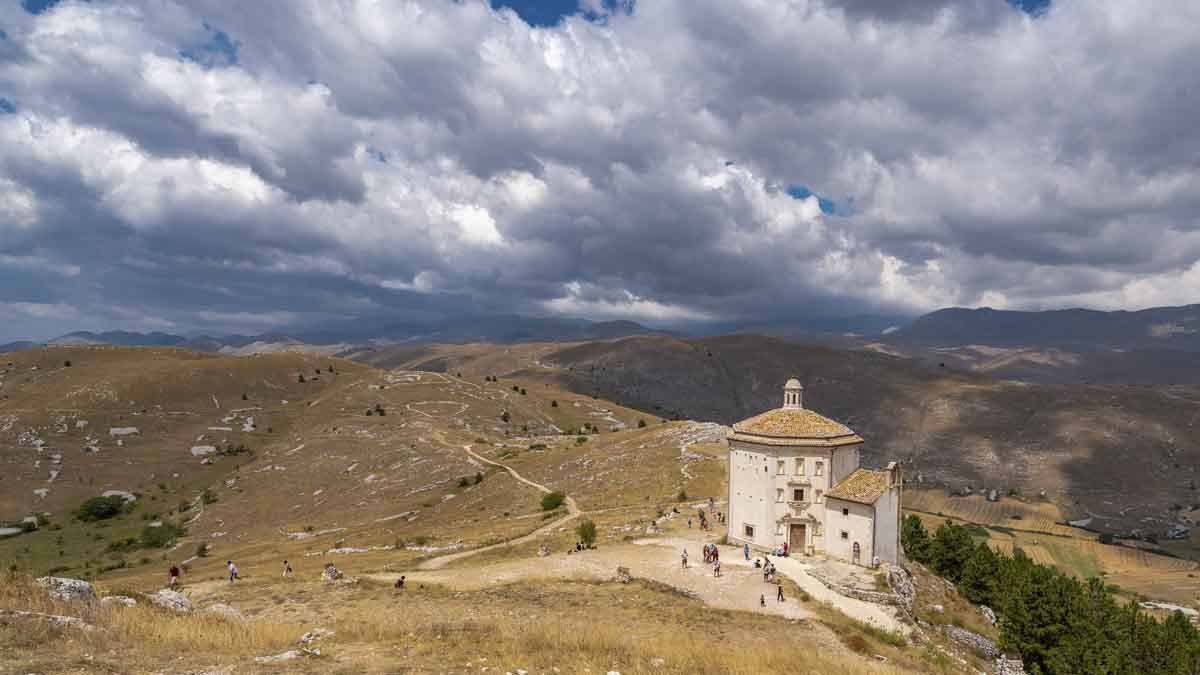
(122, 431)
(127, 496)
(70, 590)
(118, 601)
(172, 600)
(285, 656)
(201, 450)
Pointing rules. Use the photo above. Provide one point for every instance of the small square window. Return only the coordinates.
(845, 534)
(845, 512)
(748, 530)
(798, 495)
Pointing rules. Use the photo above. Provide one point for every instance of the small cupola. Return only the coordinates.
(793, 394)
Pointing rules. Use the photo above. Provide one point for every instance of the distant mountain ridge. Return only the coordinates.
(1085, 329)
(500, 329)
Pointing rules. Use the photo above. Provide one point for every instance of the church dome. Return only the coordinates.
(793, 424)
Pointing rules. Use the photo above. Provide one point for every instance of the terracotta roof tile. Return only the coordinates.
(796, 423)
(863, 486)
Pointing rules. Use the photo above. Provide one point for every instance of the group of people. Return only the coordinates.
(174, 573)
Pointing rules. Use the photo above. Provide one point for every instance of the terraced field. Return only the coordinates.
(1037, 529)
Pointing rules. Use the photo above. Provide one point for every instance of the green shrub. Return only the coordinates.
(641, 424)
(162, 536)
(580, 440)
(587, 532)
(100, 508)
(208, 496)
(552, 500)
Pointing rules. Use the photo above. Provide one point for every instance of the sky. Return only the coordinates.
(247, 167)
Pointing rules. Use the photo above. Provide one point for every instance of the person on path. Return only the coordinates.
(287, 570)
(785, 549)
(173, 576)
(779, 593)
(762, 600)
(689, 523)
(683, 558)
(400, 583)
(233, 571)
(746, 550)
(717, 568)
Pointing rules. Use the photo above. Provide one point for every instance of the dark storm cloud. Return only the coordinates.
(205, 165)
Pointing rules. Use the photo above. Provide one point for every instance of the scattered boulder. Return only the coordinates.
(543, 551)
(1009, 666)
(225, 611)
(7, 615)
(937, 608)
(988, 614)
(314, 635)
(70, 590)
(623, 575)
(331, 573)
(172, 600)
(201, 450)
(276, 658)
(118, 601)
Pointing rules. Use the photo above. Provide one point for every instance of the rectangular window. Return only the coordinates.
(798, 495)
(818, 496)
(748, 530)
(780, 467)
(845, 512)
(779, 495)
(820, 470)
(800, 466)
(845, 534)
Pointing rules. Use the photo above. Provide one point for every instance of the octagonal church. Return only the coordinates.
(794, 479)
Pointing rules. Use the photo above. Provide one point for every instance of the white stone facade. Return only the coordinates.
(782, 466)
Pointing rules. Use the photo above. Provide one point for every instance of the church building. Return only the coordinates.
(794, 478)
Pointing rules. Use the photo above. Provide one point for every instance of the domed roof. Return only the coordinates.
(793, 426)
(793, 384)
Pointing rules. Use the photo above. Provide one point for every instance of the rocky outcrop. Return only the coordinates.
(877, 597)
(1007, 666)
(9, 615)
(973, 641)
(902, 585)
(118, 601)
(70, 590)
(172, 600)
(276, 658)
(988, 614)
(623, 575)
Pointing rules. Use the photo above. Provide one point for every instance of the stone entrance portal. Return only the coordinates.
(796, 539)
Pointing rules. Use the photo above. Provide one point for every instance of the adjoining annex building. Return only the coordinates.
(794, 478)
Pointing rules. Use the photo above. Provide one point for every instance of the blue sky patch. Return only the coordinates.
(218, 51)
(7, 107)
(38, 6)
(828, 206)
(544, 13)
(1031, 7)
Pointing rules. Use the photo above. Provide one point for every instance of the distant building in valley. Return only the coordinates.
(794, 477)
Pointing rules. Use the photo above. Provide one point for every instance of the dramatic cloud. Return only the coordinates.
(249, 166)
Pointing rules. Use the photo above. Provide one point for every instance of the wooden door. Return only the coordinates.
(796, 544)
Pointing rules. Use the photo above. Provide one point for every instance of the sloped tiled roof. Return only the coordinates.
(793, 426)
(863, 486)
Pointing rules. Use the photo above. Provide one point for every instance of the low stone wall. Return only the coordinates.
(877, 597)
(973, 641)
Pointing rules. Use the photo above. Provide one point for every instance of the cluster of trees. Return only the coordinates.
(1058, 624)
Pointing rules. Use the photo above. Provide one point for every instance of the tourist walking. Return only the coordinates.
(746, 550)
(233, 571)
(173, 576)
(683, 558)
(717, 568)
(400, 583)
(762, 600)
(287, 570)
(779, 593)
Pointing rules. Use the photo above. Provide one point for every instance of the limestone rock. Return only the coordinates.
(331, 573)
(54, 619)
(1007, 666)
(988, 614)
(937, 608)
(118, 601)
(71, 590)
(225, 611)
(974, 641)
(276, 658)
(902, 585)
(623, 575)
(172, 600)
(543, 551)
(314, 635)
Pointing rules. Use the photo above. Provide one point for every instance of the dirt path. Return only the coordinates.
(572, 513)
